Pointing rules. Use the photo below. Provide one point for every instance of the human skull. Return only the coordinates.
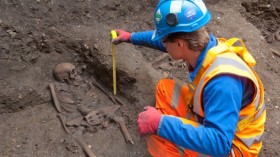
(65, 72)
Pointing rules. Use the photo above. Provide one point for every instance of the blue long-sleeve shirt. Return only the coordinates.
(223, 98)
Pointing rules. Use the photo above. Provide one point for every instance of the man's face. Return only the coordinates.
(174, 48)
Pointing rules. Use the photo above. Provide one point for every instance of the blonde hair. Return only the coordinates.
(196, 40)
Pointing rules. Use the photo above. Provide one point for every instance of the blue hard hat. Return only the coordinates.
(173, 16)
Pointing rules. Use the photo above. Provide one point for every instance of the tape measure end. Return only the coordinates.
(114, 34)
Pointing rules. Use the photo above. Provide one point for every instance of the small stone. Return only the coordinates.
(12, 33)
(277, 107)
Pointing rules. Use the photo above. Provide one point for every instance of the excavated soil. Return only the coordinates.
(35, 36)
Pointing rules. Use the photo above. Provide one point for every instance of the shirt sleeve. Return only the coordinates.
(222, 99)
(145, 39)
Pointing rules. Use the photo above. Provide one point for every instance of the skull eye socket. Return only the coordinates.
(73, 73)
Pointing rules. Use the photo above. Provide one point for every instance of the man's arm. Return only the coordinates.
(145, 39)
(138, 38)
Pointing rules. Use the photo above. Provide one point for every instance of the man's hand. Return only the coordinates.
(148, 120)
(123, 36)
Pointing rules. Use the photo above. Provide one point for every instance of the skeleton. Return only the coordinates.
(65, 72)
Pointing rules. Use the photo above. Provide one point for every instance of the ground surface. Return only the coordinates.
(37, 35)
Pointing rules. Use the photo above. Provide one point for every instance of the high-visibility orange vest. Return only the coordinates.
(228, 59)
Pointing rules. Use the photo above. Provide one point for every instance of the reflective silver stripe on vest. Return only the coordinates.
(256, 103)
(176, 95)
(220, 61)
(232, 152)
(260, 112)
(249, 141)
(176, 99)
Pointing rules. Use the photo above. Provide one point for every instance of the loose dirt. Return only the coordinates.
(35, 36)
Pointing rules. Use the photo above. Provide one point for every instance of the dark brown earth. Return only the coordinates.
(35, 36)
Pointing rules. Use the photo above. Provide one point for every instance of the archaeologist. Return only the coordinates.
(221, 112)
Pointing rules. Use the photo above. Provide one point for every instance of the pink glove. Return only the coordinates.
(148, 120)
(123, 36)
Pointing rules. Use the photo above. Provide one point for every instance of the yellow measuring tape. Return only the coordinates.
(114, 35)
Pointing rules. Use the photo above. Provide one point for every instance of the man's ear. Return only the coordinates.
(181, 43)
